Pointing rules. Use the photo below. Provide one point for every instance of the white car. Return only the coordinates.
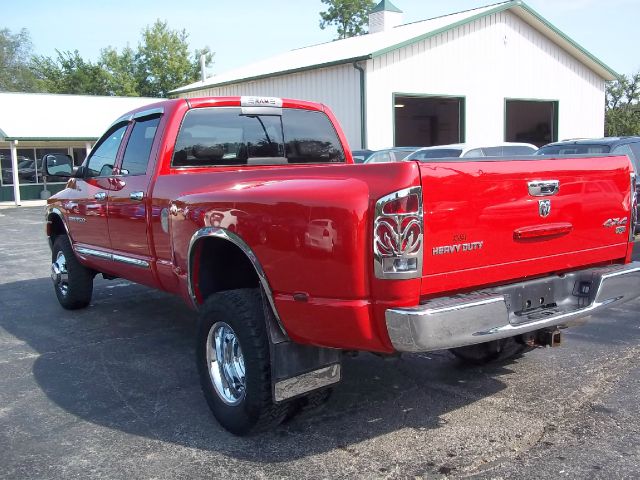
(321, 234)
(473, 150)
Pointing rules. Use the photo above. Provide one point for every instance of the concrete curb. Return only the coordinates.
(24, 203)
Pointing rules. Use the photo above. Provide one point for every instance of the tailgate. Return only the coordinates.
(485, 222)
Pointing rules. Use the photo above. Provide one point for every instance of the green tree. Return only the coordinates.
(119, 71)
(349, 16)
(622, 106)
(15, 55)
(163, 60)
(69, 73)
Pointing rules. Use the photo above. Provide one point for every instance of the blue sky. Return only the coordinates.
(247, 30)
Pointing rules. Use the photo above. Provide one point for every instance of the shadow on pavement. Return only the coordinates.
(126, 363)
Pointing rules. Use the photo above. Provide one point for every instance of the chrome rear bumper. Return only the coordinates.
(504, 312)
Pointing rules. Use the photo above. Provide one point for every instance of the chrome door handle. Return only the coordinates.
(100, 196)
(542, 188)
(136, 196)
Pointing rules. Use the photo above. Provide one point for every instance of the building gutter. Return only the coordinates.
(363, 106)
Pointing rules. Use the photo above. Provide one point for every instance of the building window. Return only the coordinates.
(425, 121)
(531, 121)
(5, 166)
(30, 169)
(78, 154)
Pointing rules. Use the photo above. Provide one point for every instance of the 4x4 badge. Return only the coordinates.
(544, 208)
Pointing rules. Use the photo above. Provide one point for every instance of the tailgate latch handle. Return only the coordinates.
(542, 188)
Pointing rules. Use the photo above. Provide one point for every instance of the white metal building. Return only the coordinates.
(34, 124)
(495, 73)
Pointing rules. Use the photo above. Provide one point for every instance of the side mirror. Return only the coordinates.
(58, 165)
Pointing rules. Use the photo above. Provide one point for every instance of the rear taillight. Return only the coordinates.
(634, 207)
(398, 235)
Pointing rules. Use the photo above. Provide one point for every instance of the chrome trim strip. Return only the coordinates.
(378, 258)
(456, 322)
(93, 253)
(112, 256)
(292, 387)
(223, 234)
(148, 112)
(129, 260)
(543, 188)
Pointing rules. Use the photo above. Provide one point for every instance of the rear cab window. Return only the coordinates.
(224, 136)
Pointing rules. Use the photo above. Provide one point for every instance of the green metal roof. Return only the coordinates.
(386, 6)
(374, 45)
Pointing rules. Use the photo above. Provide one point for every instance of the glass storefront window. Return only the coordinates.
(5, 166)
(27, 168)
(30, 169)
(79, 154)
(41, 152)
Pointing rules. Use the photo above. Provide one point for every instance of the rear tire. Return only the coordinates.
(310, 402)
(72, 281)
(494, 351)
(234, 365)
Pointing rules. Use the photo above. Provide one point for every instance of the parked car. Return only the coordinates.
(199, 201)
(395, 154)
(473, 150)
(629, 146)
(359, 156)
(26, 170)
(615, 145)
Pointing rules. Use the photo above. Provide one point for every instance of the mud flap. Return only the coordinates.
(298, 369)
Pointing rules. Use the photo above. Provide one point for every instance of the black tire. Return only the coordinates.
(74, 284)
(309, 403)
(494, 351)
(253, 410)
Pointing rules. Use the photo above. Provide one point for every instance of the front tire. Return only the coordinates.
(72, 281)
(232, 354)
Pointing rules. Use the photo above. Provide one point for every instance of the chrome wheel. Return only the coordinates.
(60, 274)
(226, 363)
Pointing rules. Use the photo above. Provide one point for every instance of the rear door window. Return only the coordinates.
(136, 155)
(224, 136)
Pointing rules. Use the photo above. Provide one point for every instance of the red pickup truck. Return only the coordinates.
(253, 211)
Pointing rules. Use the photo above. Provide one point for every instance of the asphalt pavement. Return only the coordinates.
(112, 392)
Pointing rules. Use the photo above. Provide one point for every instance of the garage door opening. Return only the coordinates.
(427, 121)
(531, 121)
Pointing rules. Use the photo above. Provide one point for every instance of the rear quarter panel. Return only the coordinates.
(274, 209)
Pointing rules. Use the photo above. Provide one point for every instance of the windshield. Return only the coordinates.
(435, 153)
(25, 164)
(573, 149)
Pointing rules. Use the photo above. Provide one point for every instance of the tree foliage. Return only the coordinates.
(349, 16)
(161, 62)
(68, 73)
(622, 101)
(15, 52)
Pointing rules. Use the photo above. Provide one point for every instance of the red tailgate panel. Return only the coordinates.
(482, 226)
